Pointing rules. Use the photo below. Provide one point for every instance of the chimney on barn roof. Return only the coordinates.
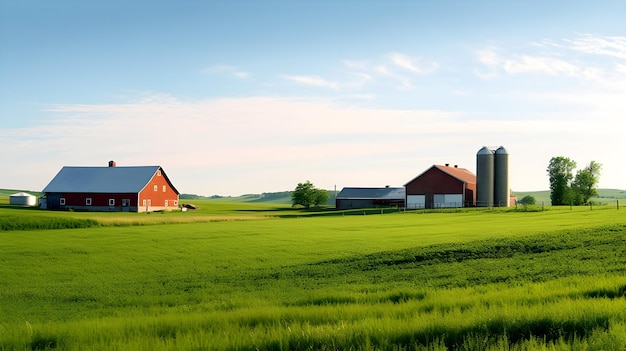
(456, 166)
(447, 165)
(112, 164)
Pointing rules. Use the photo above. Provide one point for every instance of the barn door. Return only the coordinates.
(126, 205)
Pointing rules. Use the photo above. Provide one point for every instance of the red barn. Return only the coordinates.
(130, 189)
(441, 186)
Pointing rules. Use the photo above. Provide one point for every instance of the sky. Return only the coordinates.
(240, 97)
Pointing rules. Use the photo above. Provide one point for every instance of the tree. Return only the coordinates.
(321, 197)
(527, 200)
(306, 195)
(585, 183)
(560, 172)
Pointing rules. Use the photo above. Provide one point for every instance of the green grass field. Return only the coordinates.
(246, 276)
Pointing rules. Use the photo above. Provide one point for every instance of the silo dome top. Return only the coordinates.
(501, 151)
(485, 151)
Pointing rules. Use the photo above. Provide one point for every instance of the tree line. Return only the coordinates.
(567, 188)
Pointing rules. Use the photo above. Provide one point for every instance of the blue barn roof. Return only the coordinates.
(72, 179)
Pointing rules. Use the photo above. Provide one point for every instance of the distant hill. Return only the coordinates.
(611, 194)
(604, 195)
(542, 196)
(281, 197)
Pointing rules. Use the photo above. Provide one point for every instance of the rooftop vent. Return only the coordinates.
(112, 164)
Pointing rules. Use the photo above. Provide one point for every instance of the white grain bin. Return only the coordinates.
(24, 199)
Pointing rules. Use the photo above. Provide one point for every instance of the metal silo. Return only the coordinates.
(501, 192)
(484, 177)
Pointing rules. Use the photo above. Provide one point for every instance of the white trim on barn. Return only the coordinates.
(415, 201)
(448, 200)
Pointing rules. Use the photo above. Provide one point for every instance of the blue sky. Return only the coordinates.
(255, 96)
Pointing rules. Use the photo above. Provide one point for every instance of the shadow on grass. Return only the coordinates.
(19, 207)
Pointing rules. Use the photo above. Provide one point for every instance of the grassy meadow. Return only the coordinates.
(253, 276)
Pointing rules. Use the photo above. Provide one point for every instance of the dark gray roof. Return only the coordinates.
(372, 193)
(101, 179)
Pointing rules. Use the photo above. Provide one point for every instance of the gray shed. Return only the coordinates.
(369, 197)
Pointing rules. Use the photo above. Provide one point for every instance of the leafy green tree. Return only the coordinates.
(528, 200)
(306, 195)
(560, 173)
(321, 197)
(585, 183)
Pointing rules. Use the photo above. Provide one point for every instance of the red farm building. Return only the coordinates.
(441, 187)
(129, 189)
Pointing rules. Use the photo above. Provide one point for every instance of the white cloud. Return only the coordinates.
(599, 45)
(314, 81)
(545, 65)
(411, 64)
(523, 64)
(488, 57)
(555, 62)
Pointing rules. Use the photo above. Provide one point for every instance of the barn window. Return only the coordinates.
(175, 203)
(62, 201)
(164, 188)
(159, 173)
(88, 201)
(125, 202)
(165, 203)
(144, 202)
(156, 188)
(111, 202)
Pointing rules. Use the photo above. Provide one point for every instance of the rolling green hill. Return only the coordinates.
(281, 197)
(604, 195)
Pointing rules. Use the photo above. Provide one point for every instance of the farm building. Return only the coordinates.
(369, 197)
(441, 186)
(129, 189)
(23, 199)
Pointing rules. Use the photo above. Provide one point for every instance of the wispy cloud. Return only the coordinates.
(536, 63)
(540, 65)
(411, 64)
(314, 81)
(395, 67)
(599, 45)
(555, 58)
(227, 69)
